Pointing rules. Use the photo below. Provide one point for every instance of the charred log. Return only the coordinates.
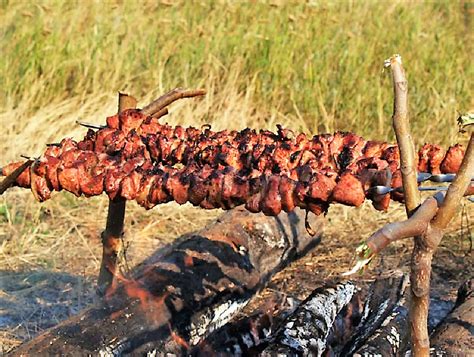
(455, 335)
(305, 332)
(383, 297)
(245, 336)
(185, 291)
(392, 337)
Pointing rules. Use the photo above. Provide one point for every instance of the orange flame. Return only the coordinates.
(178, 339)
(188, 261)
(152, 305)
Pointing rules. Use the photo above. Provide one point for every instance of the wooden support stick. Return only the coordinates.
(401, 127)
(419, 307)
(424, 251)
(427, 243)
(157, 105)
(111, 236)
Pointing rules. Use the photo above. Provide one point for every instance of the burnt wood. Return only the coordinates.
(455, 335)
(305, 331)
(185, 290)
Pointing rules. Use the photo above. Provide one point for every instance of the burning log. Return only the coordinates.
(392, 338)
(246, 335)
(185, 291)
(383, 297)
(305, 331)
(454, 336)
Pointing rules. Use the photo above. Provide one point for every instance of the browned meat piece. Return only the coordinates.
(136, 157)
(40, 188)
(321, 187)
(130, 119)
(430, 158)
(131, 185)
(392, 156)
(424, 158)
(452, 160)
(271, 200)
(69, 180)
(397, 182)
(374, 149)
(113, 121)
(145, 191)
(197, 190)
(349, 190)
(178, 186)
(287, 189)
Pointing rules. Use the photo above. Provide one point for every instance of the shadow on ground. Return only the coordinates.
(36, 300)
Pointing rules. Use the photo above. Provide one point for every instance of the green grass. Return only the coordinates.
(321, 64)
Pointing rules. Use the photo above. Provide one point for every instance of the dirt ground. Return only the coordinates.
(47, 278)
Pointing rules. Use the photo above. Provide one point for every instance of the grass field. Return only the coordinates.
(313, 67)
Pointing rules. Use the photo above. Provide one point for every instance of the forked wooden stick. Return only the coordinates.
(112, 235)
(401, 127)
(426, 223)
(418, 303)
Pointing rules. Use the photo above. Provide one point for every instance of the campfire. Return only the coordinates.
(186, 298)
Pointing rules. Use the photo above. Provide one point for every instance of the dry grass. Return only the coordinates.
(309, 67)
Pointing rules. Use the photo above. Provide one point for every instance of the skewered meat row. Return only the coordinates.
(203, 186)
(133, 134)
(86, 168)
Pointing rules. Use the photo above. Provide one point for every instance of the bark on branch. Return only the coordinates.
(401, 127)
(156, 108)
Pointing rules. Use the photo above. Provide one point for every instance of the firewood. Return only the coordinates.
(454, 336)
(244, 336)
(184, 291)
(384, 295)
(392, 337)
(306, 330)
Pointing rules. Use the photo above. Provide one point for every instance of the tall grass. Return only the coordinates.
(316, 66)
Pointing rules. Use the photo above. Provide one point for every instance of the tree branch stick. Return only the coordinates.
(10, 179)
(421, 257)
(402, 131)
(111, 236)
(423, 254)
(170, 97)
(416, 225)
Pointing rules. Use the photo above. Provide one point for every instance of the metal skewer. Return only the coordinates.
(424, 176)
(90, 126)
